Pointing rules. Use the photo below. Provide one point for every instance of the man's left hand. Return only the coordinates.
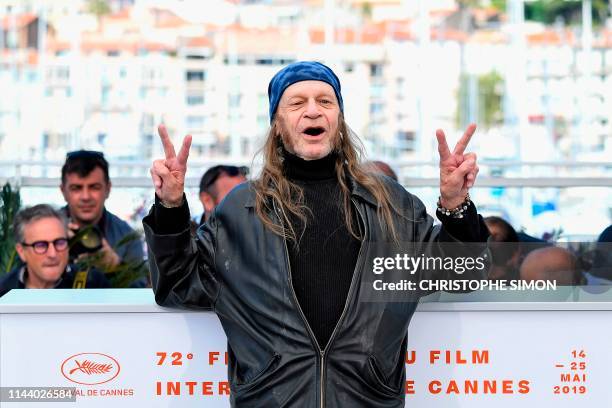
(109, 256)
(458, 170)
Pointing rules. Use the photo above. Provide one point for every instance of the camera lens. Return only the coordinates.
(85, 240)
(91, 240)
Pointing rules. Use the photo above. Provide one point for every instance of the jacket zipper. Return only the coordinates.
(346, 303)
(310, 332)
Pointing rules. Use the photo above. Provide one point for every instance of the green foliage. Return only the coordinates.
(549, 11)
(122, 275)
(499, 5)
(98, 8)
(489, 96)
(469, 3)
(570, 11)
(366, 10)
(10, 202)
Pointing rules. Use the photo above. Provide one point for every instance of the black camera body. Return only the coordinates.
(86, 240)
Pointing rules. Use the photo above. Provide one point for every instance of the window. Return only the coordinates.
(148, 120)
(151, 74)
(63, 73)
(31, 76)
(195, 122)
(234, 100)
(105, 93)
(58, 73)
(193, 100)
(376, 90)
(405, 139)
(192, 76)
(376, 70)
(234, 60)
(376, 108)
(264, 61)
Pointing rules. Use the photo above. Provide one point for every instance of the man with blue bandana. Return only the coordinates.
(283, 258)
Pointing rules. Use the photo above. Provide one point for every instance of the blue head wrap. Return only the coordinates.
(301, 71)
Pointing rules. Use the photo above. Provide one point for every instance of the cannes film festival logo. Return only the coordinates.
(90, 368)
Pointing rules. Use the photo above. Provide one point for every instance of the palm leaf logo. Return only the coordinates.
(90, 367)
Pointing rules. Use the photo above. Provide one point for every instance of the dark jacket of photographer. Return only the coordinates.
(241, 270)
(16, 279)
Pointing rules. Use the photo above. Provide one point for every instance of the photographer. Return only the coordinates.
(86, 186)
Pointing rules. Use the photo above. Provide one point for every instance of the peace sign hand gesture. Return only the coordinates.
(169, 174)
(457, 170)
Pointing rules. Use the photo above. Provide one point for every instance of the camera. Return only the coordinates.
(86, 240)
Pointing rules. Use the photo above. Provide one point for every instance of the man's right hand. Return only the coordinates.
(169, 174)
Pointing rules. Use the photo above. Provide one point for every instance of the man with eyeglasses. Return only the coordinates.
(41, 233)
(216, 183)
(85, 186)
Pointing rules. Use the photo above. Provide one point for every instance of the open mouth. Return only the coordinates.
(314, 131)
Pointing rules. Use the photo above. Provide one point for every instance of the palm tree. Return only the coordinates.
(10, 202)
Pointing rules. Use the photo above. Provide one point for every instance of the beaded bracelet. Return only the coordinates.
(456, 212)
(171, 206)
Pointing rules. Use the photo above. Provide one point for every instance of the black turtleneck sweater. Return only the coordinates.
(323, 261)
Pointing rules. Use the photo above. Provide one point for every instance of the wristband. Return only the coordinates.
(456, 212)
(171, 206)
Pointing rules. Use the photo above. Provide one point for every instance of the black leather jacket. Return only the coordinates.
(240, 270)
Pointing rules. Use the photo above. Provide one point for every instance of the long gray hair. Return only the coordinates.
(274, 190)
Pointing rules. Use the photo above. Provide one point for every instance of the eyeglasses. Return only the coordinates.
(41, 247)
(84, 154)
(213, 174)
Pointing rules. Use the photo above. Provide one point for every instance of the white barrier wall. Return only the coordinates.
(119, 349)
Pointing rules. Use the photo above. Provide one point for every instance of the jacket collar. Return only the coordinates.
(357, 190)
